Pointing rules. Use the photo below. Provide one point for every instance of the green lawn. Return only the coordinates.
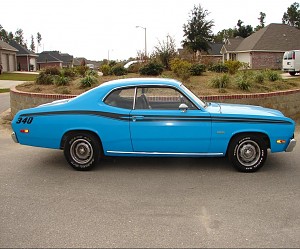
(18, 76)
(4, 90)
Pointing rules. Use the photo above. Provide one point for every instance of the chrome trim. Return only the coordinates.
(291, 145)
(14, 137)
(165, 153)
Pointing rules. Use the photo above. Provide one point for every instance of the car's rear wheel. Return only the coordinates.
(82, 150)
(247, 153)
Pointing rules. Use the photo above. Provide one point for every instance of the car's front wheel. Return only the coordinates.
(82, 150)
(247, 153)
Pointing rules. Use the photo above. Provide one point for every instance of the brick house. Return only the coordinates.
(264, 48)
(213, 55)
(54, 59)
(26, 59)
(8, 58)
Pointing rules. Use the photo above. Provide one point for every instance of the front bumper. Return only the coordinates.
(14, 137)
(291, 145)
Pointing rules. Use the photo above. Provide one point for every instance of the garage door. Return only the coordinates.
(11, 63)
(4, 62)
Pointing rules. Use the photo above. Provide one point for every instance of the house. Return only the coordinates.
(264, 48)
(54, 59)
(8, 58)
(26, 59)
(213, 55)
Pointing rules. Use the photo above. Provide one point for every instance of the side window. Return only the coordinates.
(160, 98)
(122, 98)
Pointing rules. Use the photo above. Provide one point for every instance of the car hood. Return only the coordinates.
(245, 110)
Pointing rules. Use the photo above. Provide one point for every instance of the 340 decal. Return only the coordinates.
(27, 120)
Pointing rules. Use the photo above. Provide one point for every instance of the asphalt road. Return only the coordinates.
(4, 102)
(146, 202)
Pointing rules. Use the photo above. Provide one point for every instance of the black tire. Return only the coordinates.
(292, 73)
(247, 153)
(82, 150)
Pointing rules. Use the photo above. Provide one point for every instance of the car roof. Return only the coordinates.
(140, 81)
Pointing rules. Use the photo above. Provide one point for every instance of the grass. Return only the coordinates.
(4, 90)
(18, 76)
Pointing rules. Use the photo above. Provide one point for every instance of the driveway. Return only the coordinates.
(146, 202)
(4, 102)
(9, 83)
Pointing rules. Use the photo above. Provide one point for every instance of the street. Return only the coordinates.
(154, 202)
(4, 102)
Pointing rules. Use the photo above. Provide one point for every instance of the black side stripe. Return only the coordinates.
(155, 118)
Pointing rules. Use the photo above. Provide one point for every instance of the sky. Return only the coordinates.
(106, 29)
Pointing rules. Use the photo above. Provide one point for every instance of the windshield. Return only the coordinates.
(193, 96)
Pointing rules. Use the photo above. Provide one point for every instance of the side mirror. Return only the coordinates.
(183, 107)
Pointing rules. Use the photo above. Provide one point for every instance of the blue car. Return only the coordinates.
(154, 118)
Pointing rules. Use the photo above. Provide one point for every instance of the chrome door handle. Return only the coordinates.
(135, 118)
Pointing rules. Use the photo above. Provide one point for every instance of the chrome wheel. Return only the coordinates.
(81, 151)
(248, 153)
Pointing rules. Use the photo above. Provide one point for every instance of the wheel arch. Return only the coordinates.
(264, 136)
(68, 133)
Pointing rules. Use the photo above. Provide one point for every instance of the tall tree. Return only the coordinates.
(198, 30)
(262, 17)
(19, 37)
(39, 39)
(165, 51)
(292, 16)
(3, 34)
(242, 30)
(224, 34)
(32, 45)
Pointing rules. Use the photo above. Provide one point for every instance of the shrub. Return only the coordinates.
(44, 79)
(92, 73)
(259, 77)
(151, 68)
(134, 68)
(105, 69)
(233, 66)
(68, 72)
(220, 81)
(218, 68)
(52, 71)
(88, 81)
(61, 80)
(272, 75)
(243, 81)
(81, 70)
(197, 69)
(181, 68)
(118, 70)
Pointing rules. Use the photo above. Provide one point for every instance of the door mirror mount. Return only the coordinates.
(183, 107)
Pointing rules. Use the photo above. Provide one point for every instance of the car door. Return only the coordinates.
(115, 133)
(157, 125)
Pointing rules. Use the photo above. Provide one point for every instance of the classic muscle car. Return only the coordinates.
(153, 117)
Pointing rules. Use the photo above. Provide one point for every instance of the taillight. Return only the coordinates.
(293, 56)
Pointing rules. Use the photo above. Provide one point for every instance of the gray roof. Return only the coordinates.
(54, 56)
(274, 37)
(215, 49)
(22, 50)
(232, 43)
(6, 46)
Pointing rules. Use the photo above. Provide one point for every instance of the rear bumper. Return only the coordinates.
(14, 137)
(291, 145)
